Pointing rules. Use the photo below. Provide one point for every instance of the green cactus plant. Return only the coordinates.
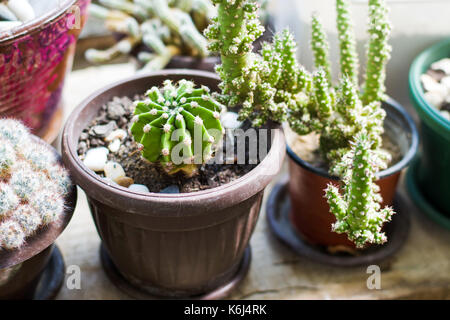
(32, 185)
(177, 126)
(358, 211)
(378, 52)
(272, 86)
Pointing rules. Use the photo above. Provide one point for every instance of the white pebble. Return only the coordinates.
(445, 114)
(443, 65)
(446, 83)
(139, 188)
(431, 85)
(114, 146)
(116, 134)
(96, 158)
(114, 171)
(434, 98)
(230, 120)
(22, 9)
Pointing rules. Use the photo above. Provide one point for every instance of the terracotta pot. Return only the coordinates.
(310, 211)
(34, 59)
(170, 244)
(25, 265)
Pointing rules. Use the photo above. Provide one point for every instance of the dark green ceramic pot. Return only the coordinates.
(429, 178)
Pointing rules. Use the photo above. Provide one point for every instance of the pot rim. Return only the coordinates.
(37, 23)
(47, 235)
(397, 167)
(239, 188)
(428, 113)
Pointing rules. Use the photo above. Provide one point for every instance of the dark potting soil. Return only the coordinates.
(117, 114)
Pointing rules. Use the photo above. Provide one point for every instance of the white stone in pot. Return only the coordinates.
(116, 134)
(96, 158)
(230, 120)
(431, 85)
(445, 114)
(22, 9)
(443, 65)
(434, 98)
(114, 171)
(139, 188)
(114, 146)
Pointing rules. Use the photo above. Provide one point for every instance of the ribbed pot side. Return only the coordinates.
(309, 209)
(171, 244)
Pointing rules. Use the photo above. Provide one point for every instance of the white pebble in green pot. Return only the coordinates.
(114, 171)
(139, 188)
(96, 158)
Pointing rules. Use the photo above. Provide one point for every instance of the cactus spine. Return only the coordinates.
(32, 185)
(177, 119)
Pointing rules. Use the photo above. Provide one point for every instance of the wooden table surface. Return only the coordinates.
(420, 270)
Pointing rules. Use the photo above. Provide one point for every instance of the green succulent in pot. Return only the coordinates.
(273, 86)
(178, 126)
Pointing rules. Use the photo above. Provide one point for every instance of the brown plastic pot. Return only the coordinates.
(309, 209)
(31, 259)
(170, 244)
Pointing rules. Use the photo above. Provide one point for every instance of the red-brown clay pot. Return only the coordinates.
(310, 211)
(170, 244)
(34, 59)
(31, 259)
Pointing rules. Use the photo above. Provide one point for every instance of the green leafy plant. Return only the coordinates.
(177, 126)
(273, 86)
(32, 185)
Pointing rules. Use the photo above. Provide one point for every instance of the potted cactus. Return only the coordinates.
(357, 141)
(182, 227)
(36, 49)
(37, 201)
(340, 120)
(158, 33)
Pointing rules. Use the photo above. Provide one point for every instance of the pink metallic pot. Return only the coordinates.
(34, 59)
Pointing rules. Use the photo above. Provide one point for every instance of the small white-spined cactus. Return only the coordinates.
(33, 185)
(357, 210)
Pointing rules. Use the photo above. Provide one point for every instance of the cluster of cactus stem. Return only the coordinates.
(358, 212)
(177, 126)
(32, 185)
(273, 86)
(159, 29)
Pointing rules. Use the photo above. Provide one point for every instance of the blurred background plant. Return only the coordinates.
(154, 31)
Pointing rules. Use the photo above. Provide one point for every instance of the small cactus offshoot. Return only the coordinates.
(358, 211)
(177, 126)
(32, 185)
